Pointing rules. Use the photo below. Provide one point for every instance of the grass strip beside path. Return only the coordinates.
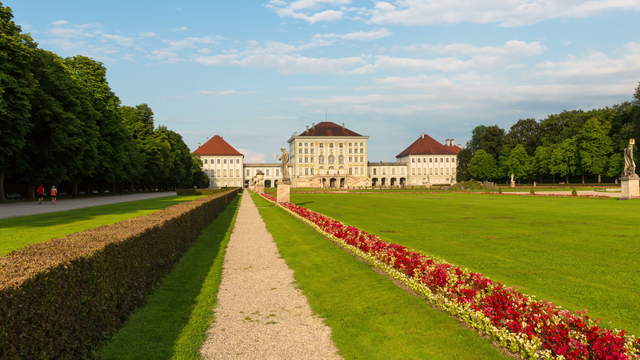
(22, 231)
(370, 317)
(174, 321)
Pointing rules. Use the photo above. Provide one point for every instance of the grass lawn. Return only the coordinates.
(370, 317)
(579, 253)
(26, 230)
(174, 321)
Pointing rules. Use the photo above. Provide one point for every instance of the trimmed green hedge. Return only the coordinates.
(202, 191)
(61, 298)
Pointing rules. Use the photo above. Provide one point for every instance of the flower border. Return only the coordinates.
(521, 324)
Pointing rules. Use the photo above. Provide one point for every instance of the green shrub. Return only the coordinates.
(473, 186)
(187, 191)
(574, 192)
(532, 192)
(61, 298)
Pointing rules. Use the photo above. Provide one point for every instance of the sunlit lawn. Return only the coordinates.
(369, 316)
(26, 230)
(579, 253)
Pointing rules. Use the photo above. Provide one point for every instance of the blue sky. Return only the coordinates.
(257, 71)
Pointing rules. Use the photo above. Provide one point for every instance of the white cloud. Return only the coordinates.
(596, 64)
(502, 12)
(511, 48)
(358, 35)
(595, 79)
(90, 40)
(225, 92)
(147, 34)
(311, 11)
(181, 28)
(173, 52)
(284, 58)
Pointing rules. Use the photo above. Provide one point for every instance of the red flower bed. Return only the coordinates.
(533, 328)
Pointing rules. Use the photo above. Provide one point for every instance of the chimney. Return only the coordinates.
(422, 136)
(452, 142)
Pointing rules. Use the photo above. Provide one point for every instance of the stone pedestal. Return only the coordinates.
(284, 193)
(630, 187)
(259, 189)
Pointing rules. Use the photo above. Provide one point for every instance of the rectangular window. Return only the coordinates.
(237, 173)
(218, 161)
(430, 160)
(247, 172)
(300, 151)
(413, 171)
(306, 171)
(311, 171)
(413, 160)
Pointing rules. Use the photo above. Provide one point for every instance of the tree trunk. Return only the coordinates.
(599, 178)
(31, 191)
(2, 198)
(566, 180)
(74, 190)
(583, 179)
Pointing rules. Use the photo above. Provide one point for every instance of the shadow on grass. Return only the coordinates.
(69, 216)
(174, 321)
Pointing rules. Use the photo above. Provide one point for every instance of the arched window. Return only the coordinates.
(321, 159)
(331, 159)
(330, 145)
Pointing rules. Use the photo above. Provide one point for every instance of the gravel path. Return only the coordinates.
(32, 207)
(260, 314)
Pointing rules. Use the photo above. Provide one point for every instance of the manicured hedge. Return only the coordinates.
(61, 298)
(201, 191)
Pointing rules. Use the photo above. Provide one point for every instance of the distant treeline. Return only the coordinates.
(60, 123)
(570, 146)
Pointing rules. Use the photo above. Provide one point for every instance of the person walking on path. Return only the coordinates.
(40, 193)
(260, 312)
(54, 195)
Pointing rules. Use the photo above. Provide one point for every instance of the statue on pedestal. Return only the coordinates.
(629, 164)
(284, 166)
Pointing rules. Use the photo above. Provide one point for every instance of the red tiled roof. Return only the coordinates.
(455, 148)
(216, 146)
(328, 128)
(426, 145)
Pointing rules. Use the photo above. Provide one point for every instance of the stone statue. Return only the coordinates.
(629, 164)
(284, 166)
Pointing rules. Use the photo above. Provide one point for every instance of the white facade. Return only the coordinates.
(430, 169)
(223, 170)
(318, 159)
(329, 161)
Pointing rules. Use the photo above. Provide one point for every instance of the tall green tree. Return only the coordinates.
(488, 138)
(564, 159)
(525, 132)
(542, 161)
(483, 166)
(61, 145)
(113, 135)
(519, 163)
(462, 168)
(594, 148)
(16, 87)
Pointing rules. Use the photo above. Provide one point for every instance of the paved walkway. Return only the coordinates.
(260, 314)
(32, 207)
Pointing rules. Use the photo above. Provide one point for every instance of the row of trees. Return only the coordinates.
(572, 145)
(60, 123)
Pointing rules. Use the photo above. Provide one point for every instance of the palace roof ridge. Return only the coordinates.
(217, 146)
(426, 145)
(328, 128)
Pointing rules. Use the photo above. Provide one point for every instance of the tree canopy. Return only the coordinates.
(62, 124)
(568, 145)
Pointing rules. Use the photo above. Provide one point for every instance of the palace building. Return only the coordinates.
(330, 155)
